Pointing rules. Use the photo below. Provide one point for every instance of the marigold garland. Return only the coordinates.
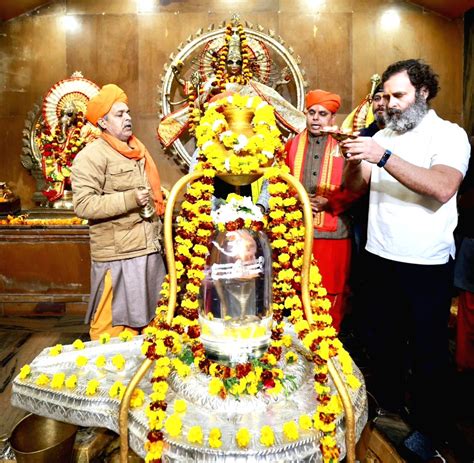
(245, 155)
(57, 154)
(24, 220)
(222, 78)
(285, 230)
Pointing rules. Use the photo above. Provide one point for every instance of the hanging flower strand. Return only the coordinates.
(177, 345)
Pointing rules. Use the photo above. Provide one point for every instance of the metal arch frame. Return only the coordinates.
(350, 435)
(178, 147)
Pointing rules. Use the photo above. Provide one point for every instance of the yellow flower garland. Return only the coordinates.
(163, 343)
(245, 155)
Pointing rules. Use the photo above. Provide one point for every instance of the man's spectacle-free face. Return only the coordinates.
(406, 106)
(318, 117)
(399, 93)
(378, 104)
(118, 122)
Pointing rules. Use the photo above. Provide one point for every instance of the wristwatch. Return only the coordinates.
(384, 158)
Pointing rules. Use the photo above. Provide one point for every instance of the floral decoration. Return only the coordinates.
(24, 220)
(25, 371)
(176, 346)
(222, 77)
(56, 350)
(219, 63)
(71, 382)
(58, 151)
(285, 229)
(242, 154)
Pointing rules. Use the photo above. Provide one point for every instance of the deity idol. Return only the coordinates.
(234, 67)
(62, 132)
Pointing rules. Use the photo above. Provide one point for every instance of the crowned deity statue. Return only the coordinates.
(233, 62)
(58, 134)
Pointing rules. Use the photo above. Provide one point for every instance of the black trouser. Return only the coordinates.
(408, 311)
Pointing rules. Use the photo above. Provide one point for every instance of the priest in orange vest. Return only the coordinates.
(113, 179)
(316, 160)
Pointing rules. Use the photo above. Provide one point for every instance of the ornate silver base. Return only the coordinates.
(202, 409)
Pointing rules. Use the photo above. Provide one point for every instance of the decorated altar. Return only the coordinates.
(71, 398)
(241, 362)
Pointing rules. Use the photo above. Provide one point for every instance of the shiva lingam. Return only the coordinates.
(237, 295)
(235, 299)
(230, 275)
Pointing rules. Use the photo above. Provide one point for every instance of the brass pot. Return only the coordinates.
(240, 122)
(36, 439)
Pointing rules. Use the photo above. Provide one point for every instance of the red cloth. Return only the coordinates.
(465, 331)
(333, 255)
(331, 101)
(334, 259)
(339, 200)
(329, 177)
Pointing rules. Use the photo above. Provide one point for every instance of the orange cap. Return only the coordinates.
(99, 105)
(331, 101)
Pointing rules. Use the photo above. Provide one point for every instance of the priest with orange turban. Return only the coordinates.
(116, 187)
(316, 160)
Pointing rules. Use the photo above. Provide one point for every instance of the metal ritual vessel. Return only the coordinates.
(240, 122)
(235, 303)
(148, 210)
(36, 439)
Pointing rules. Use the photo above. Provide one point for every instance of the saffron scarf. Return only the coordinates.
(329, 177)
(136, 150)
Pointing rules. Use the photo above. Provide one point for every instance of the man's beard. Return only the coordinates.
(380, 119)
(402, 121)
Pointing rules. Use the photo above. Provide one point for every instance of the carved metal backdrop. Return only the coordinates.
(45, 117)
(278, 68)
(30, 154)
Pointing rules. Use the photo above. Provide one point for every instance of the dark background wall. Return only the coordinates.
(341, 43)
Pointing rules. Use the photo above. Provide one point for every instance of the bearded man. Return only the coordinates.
(414, 167)
(378, 108)
(113, 179)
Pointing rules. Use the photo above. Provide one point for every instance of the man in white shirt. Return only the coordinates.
(414, 168)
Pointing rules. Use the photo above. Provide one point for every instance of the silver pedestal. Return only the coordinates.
(204, 410)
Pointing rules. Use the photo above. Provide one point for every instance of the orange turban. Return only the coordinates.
(329, 100)
(99, 105)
